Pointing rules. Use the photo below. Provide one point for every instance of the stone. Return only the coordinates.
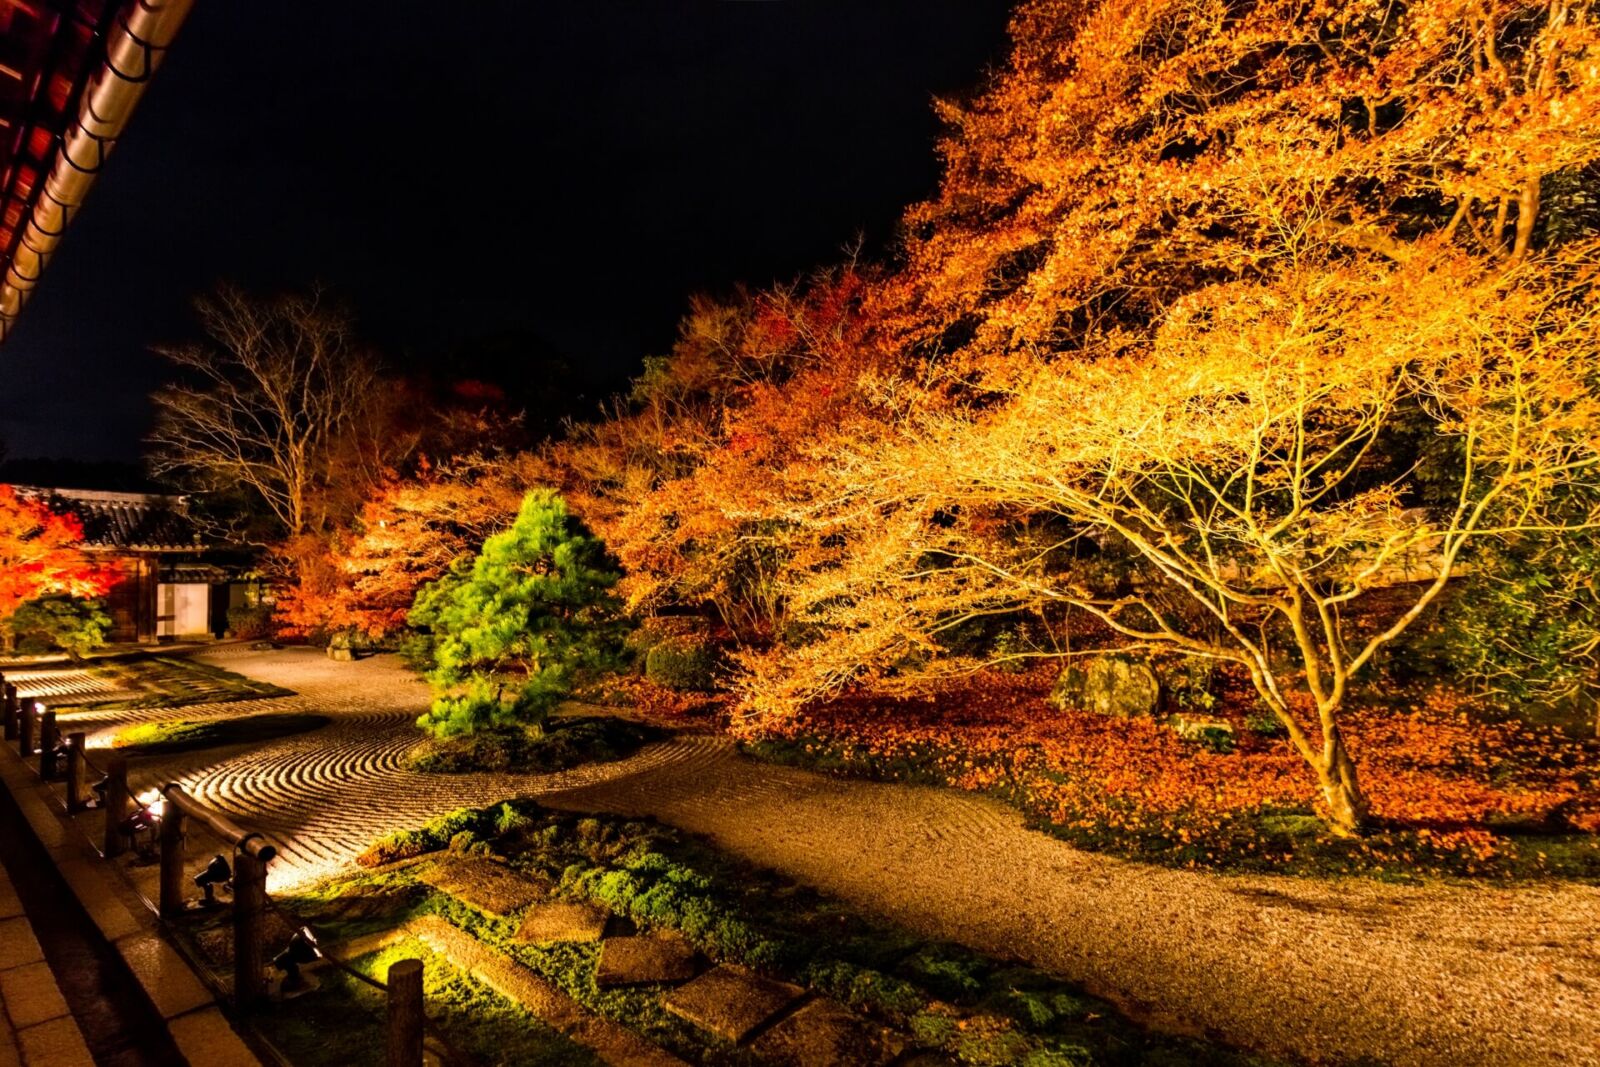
(486, 885)
(57, 1043)
(1209, 731)
(824, 1033)
(30, 995)
(167, 979)
(17, 944)
(644, 960)
(341, 655)
(207, 1037)
(730, 1001)
(561, 921)
(1108, 683)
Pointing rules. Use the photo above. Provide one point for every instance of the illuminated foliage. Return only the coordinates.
(515, 628)
(408, 534)
(1196, 277)
(40, 555)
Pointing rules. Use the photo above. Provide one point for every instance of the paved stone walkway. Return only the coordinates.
(36, 1028)
(1320, 970)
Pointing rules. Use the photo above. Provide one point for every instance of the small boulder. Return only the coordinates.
(826, 1034)
(560, 920)
(644, 961)
(730, 1001)
(1109, 683)
(1208, 731)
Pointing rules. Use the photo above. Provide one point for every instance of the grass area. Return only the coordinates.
(565, 741)
(1452, 796)
(954, 1003)
(187, 734)
(174, 681)
(341, 1023)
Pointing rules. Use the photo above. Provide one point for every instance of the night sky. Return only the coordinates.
(490, 186)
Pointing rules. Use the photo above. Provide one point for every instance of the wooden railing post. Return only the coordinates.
(48, 736)
(405, 1014)
(249, 901)
(116, 803)
(76, 771)
(171, 903)
(27, 728)
(10, 704)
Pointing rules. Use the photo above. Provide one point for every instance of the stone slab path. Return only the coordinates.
(1327, 971)
(36, 1028)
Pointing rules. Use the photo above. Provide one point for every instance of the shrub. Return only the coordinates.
(564, 743)
(458, 831)
(71, 624)
(681, 663)
(514, 630)
(250, 621)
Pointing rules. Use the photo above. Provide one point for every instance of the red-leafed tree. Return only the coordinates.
(40, 553)
(408, 533)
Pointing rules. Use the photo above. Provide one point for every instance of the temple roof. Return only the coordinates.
(128, 522)
(71, 72)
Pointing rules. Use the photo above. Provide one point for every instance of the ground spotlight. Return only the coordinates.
(146, 818)
(302, 949)
(217, 873)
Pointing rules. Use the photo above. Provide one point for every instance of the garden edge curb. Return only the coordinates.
(203, 1035)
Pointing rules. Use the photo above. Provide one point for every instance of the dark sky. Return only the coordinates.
(509, 177)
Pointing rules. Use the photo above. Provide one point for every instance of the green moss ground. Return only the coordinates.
(967, 1007)
(187, 734)
(341, 1024)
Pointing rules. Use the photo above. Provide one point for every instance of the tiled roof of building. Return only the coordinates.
(147, 522)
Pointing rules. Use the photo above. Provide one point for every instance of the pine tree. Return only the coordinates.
(512, 633)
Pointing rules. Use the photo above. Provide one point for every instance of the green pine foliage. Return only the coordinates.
(515, 627)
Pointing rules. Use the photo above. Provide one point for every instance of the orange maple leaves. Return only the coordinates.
(40, 552)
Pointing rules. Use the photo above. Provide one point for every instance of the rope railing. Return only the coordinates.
(164, 816)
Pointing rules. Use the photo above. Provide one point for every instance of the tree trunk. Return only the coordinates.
(1341, 790)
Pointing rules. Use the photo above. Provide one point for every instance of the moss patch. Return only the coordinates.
(173, 681)
(942, 998)
(342, 1022)
(186, 734)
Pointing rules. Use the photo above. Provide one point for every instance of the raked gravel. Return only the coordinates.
(1314, 970)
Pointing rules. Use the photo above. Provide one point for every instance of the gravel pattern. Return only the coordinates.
(1318, 970)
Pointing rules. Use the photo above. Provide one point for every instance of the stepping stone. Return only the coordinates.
(825, 1034)
(641, 960)
(483, 883)
(730, 1001)
(561, 921)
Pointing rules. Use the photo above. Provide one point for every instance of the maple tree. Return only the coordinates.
(408, 533)
(1197, 279)
(710, 430)
(41, 555)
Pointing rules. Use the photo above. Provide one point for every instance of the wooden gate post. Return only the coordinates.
(27, 728)
(116, 803)
(405, 1014)
(171, 903)
(48, 736)
(249, 901)
(76, 768)
(9, 701)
